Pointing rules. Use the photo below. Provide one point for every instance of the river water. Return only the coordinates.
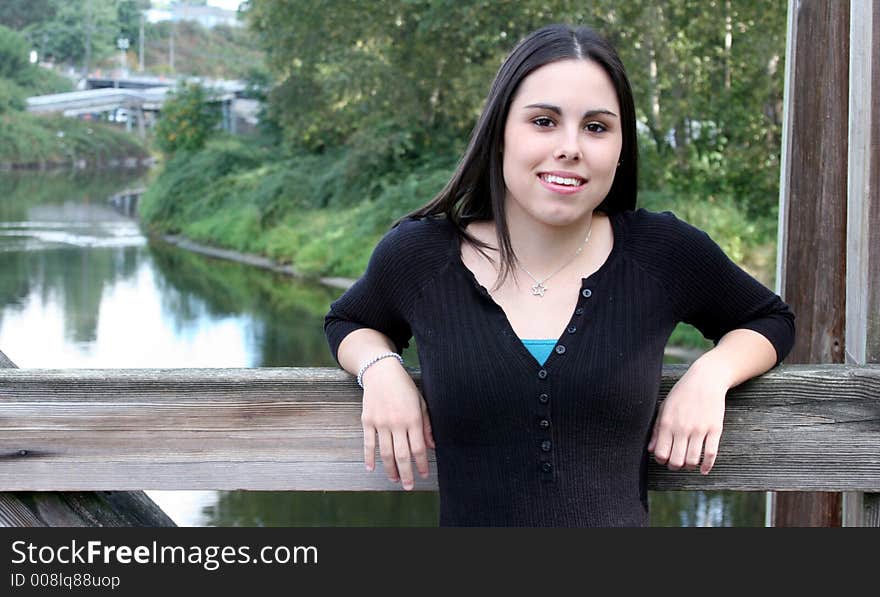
(82, 287)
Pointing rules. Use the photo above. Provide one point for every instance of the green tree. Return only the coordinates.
(129, 17)
(11, 96)
(708, 84)
(18, 14)
(186, 120)
(399, 80)
(13, 53)
(80, 32)
(19, 78)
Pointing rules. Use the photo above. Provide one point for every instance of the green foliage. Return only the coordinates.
(13, 53)
(708, 84)
(128, 15)
(36, 80)
(64, 37)
(18, 14)
(398, 79)
(11, 96)
(26, 139)
(238, 195)
(18, 77)
(193, 186)
(186, 120)
(219, 52)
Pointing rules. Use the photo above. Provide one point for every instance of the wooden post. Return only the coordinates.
(78, 509)
(813, 211)
(863, 216)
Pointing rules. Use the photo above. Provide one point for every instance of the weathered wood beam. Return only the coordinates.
(813, 188)
(811, 428)
(105, 508)
(863, 210)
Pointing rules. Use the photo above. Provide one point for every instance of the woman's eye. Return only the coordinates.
(542, 121)
(595, 127)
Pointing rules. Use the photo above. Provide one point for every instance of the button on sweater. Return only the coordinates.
(563, 443)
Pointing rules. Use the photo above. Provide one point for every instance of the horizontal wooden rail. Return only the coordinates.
(814, 428)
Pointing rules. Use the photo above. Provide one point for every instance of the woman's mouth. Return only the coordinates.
(565, 185)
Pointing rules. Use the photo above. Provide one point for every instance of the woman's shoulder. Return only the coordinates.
(661, 237)
(643, 220)
(420, 233)
(415, 245)
(659, 228)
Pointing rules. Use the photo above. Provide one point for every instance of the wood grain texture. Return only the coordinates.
(105, 508)
(795, 428)
(813, 199)
(815, 185)
(863, 205)
(871, 510)
(872, 349)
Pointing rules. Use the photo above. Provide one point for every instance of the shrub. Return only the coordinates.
(187, 120)
(11, 96)
(13, 53)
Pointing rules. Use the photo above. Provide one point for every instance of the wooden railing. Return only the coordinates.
(806, 428)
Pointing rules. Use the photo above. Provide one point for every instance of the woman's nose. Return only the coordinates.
(568, 147)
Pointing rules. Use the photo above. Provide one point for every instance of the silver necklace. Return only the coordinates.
(538, 289)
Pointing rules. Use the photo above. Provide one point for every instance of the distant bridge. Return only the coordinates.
(141, 98)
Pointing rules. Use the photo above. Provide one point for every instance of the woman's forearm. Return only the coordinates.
(739, 356)
(360, 346)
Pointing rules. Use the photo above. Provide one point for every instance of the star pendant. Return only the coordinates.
(538, 289)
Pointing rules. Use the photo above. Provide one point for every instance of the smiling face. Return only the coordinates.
(562, 142)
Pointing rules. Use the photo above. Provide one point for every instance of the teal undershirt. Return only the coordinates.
(540, 349)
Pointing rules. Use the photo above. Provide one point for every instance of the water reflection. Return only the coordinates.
(82, 287)
(284, 316)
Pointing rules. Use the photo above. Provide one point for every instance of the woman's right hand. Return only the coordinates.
(396, 413)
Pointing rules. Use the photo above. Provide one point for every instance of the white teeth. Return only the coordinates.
(571, 182)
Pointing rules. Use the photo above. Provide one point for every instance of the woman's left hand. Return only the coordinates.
(689, 421)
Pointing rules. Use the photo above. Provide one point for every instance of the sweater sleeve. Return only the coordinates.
(716, 296)
(378, 299)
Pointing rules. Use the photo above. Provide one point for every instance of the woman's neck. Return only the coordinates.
(543, 248)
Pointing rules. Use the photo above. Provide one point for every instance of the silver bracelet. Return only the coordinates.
(373, 361)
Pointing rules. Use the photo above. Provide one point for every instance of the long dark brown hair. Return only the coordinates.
(476, 190)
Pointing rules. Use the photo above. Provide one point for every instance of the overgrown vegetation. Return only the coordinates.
(221, 52)
(187, 119)
(402, 79)
(83, 35)
(368, 110)
(39, 141)
(18, 77)
(44, 141)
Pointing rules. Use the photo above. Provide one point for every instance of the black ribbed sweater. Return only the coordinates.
(563, 444)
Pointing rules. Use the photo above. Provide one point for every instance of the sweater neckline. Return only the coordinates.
(588, 285)
(617, 230)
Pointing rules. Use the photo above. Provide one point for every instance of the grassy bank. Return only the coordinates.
(312, 212)
(31, 141)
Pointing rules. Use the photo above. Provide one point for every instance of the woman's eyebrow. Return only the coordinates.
(557, 110)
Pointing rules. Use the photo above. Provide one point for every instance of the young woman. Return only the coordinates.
(541, 303)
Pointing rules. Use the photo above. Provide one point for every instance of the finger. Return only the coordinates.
(677, 455)
(386, 451)
(711, 453)
(655, 432)
(694, 450)
(402, 457)
(369, 447)
(663, 444)
(426, 426)
(418, 450)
